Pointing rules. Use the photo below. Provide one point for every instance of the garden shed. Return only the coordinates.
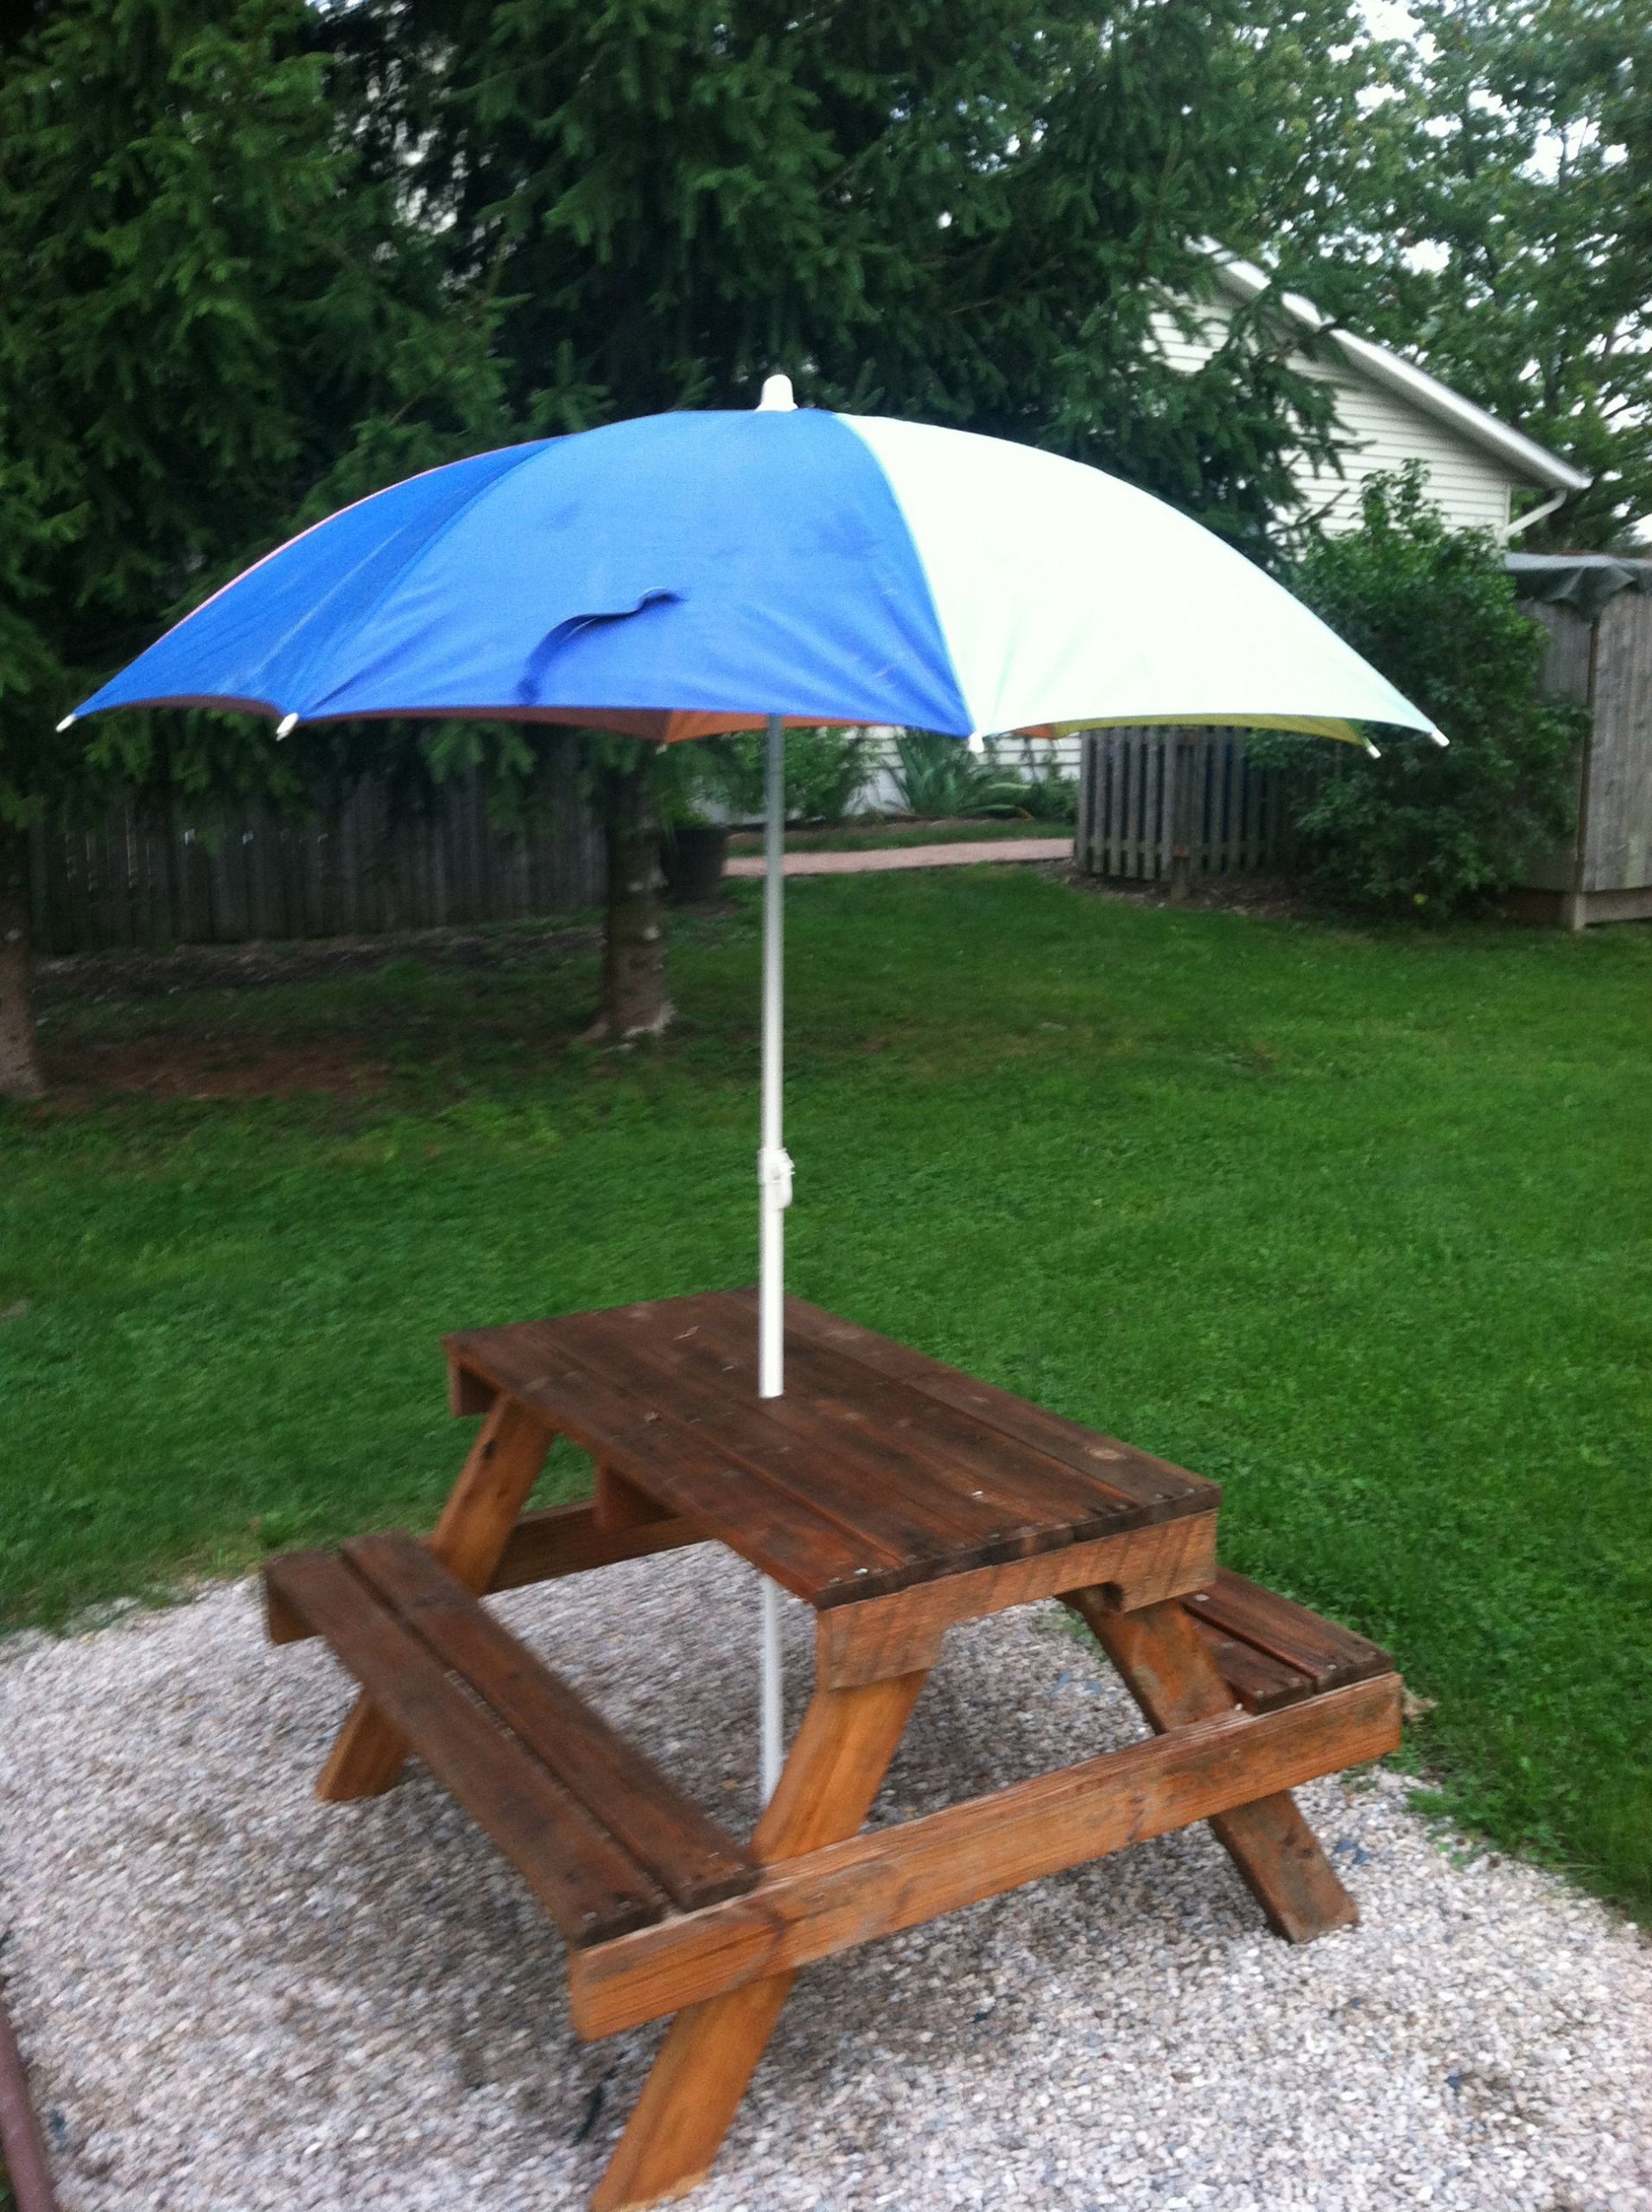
(1597, 611)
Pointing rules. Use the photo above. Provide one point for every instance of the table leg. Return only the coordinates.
(470, 1538)
(1174, 1680)
(710, 2051)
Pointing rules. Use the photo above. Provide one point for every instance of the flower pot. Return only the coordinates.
(691, 858)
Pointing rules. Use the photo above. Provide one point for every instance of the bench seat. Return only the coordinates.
(604, 1839)
(1272, 1652)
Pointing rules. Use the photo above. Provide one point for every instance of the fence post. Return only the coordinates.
(1181, 815)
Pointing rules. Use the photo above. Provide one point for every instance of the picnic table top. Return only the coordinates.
(879, 1469)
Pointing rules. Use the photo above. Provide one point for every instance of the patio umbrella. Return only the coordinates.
(681, 576)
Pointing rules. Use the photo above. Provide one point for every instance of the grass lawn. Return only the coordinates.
(1357, 1224)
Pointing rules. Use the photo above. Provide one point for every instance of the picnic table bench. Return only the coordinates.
(899, 1498)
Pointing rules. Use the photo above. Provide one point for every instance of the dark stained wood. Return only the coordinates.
(1135, 1478)
(693, 1858)
(816, 1554)
(895, 1634)
(470, 1540)
(693, 2091)
(850, 1893)
(591, 1887)
(1034, 1492)
(282, 1624)
(1261, 1684)
(1281, 1863)
(899, 1497)
(1325, 1653)
(541, 1548)
(467, 1393)
(1174, 1678)
(878, 1470)
(891, 1497)
(620, 1504)
(566, 1540)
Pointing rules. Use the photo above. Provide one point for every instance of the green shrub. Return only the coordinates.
(826, 772)
(1043, 793)
(939, 779)
(1422, 830)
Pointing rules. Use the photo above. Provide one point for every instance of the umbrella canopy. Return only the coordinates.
(682, 575)
(685, 574)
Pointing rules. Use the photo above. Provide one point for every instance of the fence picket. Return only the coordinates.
(1241, 816)
(148, 874)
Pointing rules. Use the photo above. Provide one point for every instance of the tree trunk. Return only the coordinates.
(635, 1002)
(20, 1068)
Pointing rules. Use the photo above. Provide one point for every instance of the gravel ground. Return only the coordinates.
(235, 1997)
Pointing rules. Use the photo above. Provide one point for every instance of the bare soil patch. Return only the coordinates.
(208, 1067)
(140, 974)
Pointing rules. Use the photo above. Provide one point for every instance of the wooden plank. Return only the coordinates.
(693, 1859)
(850, 1893)
(1161, 1491)
(1325, 1652)
(470, 1540)
(901, 1508)
(814, 1554)
(1172, 1677)
(543, 1547)
(589, 1886)
(1568, 663)
(1041, 1496)
(831, 1776)
(621, 1504)
(566, 1540)
(895, 1634)
(836, 1763)
(1618, 832)
(1261, 1684)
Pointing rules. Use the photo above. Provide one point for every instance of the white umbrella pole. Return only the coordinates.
(774, 1185)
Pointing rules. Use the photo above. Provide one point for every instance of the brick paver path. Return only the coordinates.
(871, 858)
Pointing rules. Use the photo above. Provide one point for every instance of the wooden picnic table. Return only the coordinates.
(898, 1497)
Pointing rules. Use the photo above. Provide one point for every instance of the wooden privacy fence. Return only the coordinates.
(1163, 805)
(187, 874)
(1599, 655)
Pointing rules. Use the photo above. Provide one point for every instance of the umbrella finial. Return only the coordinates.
(777, 396)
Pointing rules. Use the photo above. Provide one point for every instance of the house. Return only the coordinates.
(1482, 473)
(1159, 804)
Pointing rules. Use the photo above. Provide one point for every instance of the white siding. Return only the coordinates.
(881, 795)
(1382, 431)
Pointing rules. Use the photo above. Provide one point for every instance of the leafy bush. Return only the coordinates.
(938, 778)
(1423, 830)
(1042, 790)
(826, 772)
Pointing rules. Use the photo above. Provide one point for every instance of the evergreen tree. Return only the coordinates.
(965, 211)
(218, 325)
(961, 210)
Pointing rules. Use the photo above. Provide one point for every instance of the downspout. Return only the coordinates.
(1536, 514)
